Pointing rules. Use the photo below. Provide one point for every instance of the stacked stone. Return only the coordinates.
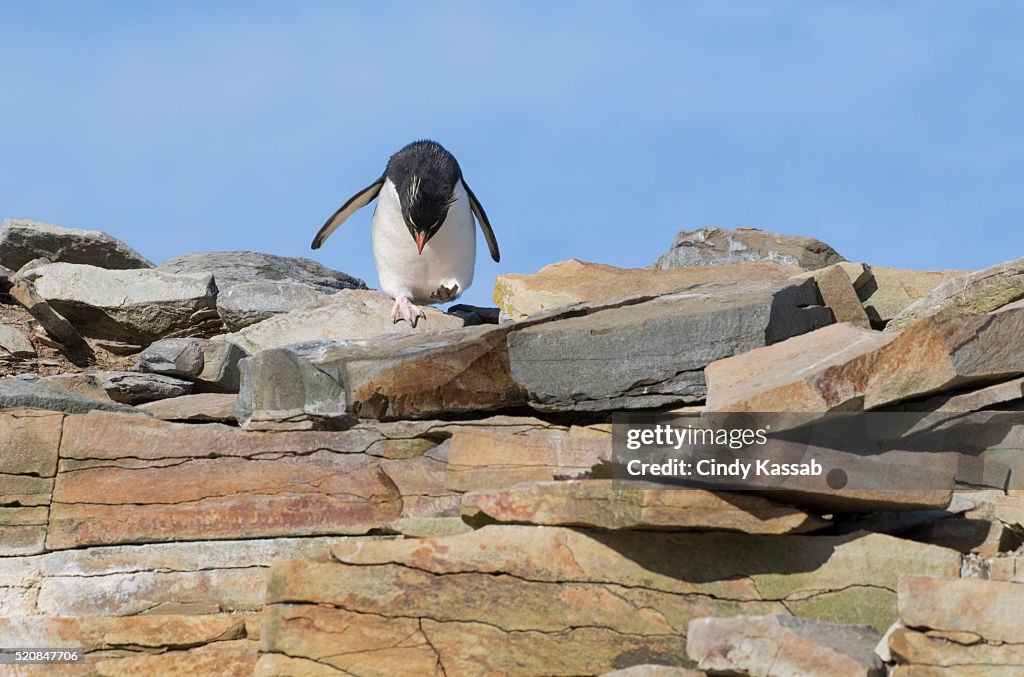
(321, 492)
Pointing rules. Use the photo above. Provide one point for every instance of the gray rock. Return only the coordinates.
(134, 305)
(653, 354)
(238, 267)
(14, 343)
(716, 246)
(246, 303)
(15, 392)
(5, 278)
(125, 387)
(34, 263)
(211, 363)
(172, 357)
(22, 240)
(52, 322)
(348, 314)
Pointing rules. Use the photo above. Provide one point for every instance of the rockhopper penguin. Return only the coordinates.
(424, 242)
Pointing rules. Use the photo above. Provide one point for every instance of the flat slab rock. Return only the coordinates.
(843, 366)
(128, 479)
(239, 267)
(246, 303)
(973, 292)
(22, 241)
(202, 407)
(345, 315)
(989, 610)
(125, 387)
(133, 305)
(200, 577)
(653, 354)
(37, 394)
(602, 504)
(141, 645)
(958, 653)
(783, 646)
(585, 603)
(713, 246)
(391, 377)
(569, 282)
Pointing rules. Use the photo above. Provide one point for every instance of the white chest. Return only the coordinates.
(447, 260)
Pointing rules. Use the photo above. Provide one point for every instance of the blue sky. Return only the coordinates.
(595, 130)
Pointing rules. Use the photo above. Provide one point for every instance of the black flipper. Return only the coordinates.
(485, 225)
(357, 201)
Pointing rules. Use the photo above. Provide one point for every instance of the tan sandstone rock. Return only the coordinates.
(573, 281)
(602, 504)
(783, 646)
(973, 292)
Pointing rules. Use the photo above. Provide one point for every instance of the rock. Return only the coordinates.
(22, 240)
(199, 408)
(838, 293)
(850, 579)
(212, 364)
(14, 343)
(858, 274)
(1004, 393)
(16, 392)
(573, 281)
(5, 279)
(239, 267)
(602, 504)
(890, 290)
(473, 315)
(989, 610)
(783, 646)
(492, 459)
(55, 324)
(247, 303)
(348, 314)
(971, 293)
(126, 387)
(947, 351)
(421, 375)
(819, 371)
(128, 480)
(138, 305)
(653, 354)
(845, 367)
(139, 645)
(713, 246)
(34, 263)
(200, 577)
(938, 652)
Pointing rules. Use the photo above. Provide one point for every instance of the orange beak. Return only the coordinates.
(421, 239)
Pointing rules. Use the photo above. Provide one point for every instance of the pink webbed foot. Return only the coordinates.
(404, 309)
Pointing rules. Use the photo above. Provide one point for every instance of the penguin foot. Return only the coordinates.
(404, 309)
(445, 294)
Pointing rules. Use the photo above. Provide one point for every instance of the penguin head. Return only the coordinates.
(424, 175)
(424, 212)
